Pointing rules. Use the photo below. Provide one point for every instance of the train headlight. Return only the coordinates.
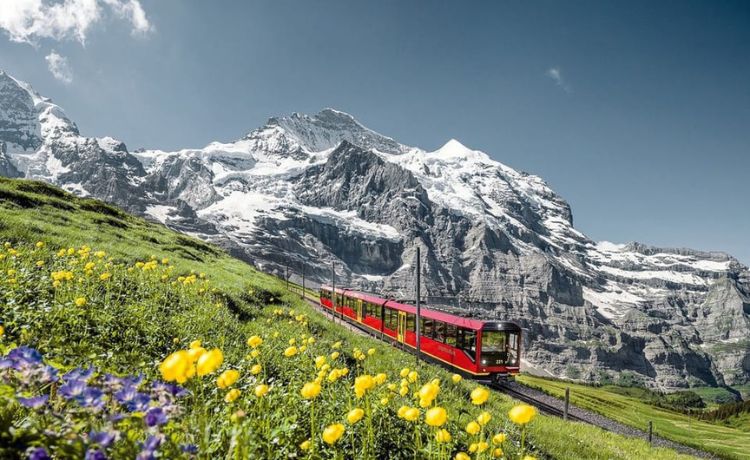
(484, 362)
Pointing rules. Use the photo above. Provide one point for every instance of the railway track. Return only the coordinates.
(544, 403)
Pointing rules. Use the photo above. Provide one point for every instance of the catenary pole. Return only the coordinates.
(419, 308)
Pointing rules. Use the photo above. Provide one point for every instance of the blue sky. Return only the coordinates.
(638, 113)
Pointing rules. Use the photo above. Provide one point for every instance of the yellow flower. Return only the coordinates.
(254, 341)
(175, 366)
(499, 439)
(164, 261)
(195, 353)
(473, 447)
(232, 395)
(2, 330)
(482, 446)
(403, 391)
(384, 401)
(333, 433)
(335, 355)
(380, 378)
(256, 369)
(497, 452)
(40, 263)
(404, 372)
(355, 415)
(209, 362)
(429, 392)
(305, 445)
(479, 396)
(522, 414)
(100, 254)
(436, 416)
(292, 341)
(371, 351)
(402, 411)
(80, 301)
(291, 351)
(411, 414)
(484, 418)
(462, 456)
(391, 387)
(413, 376)
(336, 345)
(310, 390)
(362, 384)
(311, 340)
(40, 244)
(528, 457)
(196, 344)
(227, 378)
(261, 390)
(105, 276)
(320, 361)
(456, 378)
(443, 436)
(473, 428)
(302, 348)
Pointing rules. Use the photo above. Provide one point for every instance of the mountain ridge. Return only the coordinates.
(319, 189)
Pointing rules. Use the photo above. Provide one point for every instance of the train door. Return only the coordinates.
(401, 332)
(359, 310)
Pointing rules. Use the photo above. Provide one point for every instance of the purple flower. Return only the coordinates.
(33, 403)
(72, 389)
(189, 448)
(134, 401)
(25, 355)
(155, 417)
(79, 374)
(113, 383)
(149, 448)
(91, 397)
(169, 389)
(103, 439)
(95, 454)
(39, 454)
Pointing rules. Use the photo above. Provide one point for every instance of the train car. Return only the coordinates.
(477, 348)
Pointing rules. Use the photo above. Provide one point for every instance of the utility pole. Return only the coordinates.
(303, 279)
(419, 308)
(287, 277)
(333, 287)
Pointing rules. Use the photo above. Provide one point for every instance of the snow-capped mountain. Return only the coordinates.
(315, 189)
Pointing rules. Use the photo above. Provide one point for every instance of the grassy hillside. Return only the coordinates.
(628, 406)
(114, 304)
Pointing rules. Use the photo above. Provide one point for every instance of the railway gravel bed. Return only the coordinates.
(553, 406)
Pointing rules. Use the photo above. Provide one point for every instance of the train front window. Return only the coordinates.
(499, 348)
(467, 341)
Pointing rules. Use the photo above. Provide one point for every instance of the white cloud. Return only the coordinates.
(27, 21)
(556, 74)
(59, 67)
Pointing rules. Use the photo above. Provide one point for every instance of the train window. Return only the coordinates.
(450, 334)
(467, 341)
(372, 310)
(497, 348)
(439, 333)
(391, 318)
(427, 327)
(411, 322)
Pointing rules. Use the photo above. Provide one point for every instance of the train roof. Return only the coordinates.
(426, 312)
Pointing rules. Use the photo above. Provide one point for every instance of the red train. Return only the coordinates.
(481, 349)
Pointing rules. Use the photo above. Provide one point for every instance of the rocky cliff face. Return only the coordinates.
(315, 190)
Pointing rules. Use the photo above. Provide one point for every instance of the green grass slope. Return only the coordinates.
(88, 285)
(627, 406)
